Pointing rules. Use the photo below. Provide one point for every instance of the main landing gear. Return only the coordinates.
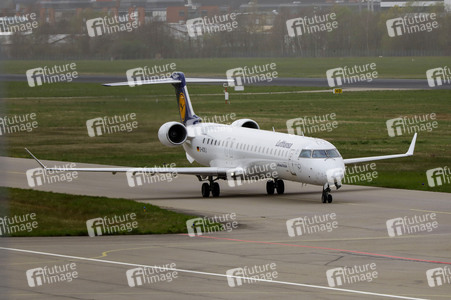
(277, 185)
(212, 187)
(326, 197)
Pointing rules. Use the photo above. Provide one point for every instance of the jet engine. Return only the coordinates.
(172, 134)
(247, 123)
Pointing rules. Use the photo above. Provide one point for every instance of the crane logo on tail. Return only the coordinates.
(182, 107)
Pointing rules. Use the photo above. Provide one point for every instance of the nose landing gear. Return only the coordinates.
(326, 197)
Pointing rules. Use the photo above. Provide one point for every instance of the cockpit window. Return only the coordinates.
(319, 154)
(332, 153)
(306, 153)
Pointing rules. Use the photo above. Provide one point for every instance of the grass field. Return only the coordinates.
(66, 215)
(62, 111)
(387, 67)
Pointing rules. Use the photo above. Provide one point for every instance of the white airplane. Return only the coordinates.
(242, 150)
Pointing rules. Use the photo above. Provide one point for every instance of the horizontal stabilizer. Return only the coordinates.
(170, 80)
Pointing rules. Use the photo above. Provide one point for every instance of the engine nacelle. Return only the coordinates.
(172, 134)
(247, 123)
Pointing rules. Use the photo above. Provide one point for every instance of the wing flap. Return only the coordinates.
(202, 171)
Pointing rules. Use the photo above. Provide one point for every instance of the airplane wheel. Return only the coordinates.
(329, 198)
(215, 190)
(205, 190)
(324, 198)
(270, 186)
(280, 187)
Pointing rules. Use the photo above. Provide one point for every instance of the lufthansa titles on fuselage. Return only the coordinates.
(284, 144)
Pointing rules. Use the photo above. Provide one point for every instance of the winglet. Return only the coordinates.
(412, 145)
(39, 162)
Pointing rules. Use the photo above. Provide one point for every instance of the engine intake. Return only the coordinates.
(247, 123)
(172, 134)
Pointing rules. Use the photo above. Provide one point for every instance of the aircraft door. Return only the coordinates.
(293, 163)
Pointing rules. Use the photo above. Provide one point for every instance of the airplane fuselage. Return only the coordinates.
(261, 152)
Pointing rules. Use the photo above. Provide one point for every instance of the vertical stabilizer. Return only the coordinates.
(187, 115)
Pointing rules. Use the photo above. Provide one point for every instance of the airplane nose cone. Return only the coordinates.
(335, 172)
(334, 175)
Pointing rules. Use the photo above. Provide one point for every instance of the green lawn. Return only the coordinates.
(387, 67)
(66, 215)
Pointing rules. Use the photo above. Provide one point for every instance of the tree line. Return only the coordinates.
(356, 33)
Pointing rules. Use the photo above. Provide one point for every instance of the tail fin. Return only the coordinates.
(187, 115)
(179, 81)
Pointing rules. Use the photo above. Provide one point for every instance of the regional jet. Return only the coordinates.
(242, 150)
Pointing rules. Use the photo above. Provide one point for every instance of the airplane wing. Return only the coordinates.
(373, 158)
(200, 171)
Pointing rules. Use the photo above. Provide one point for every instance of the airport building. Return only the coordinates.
(178, 11)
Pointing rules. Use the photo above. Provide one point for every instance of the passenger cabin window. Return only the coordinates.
(306, 153)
